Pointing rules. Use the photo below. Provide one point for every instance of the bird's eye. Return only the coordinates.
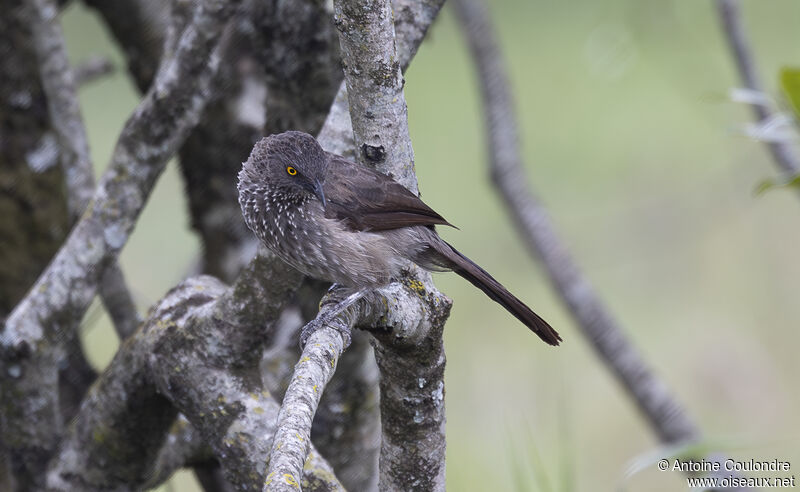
(292, 171)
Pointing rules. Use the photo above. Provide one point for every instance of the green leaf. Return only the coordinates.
(790, 84)
(771, 184)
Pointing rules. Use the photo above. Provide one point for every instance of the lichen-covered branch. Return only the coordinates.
(373, 73)
(411, 360)
(33, 206)
(664, 413)
(311, 374)
(28, 341)
(198, 354)
(412, 19)
(62, 100)
(149, 138)
(782, 154)
(182, 447)
(371, 66)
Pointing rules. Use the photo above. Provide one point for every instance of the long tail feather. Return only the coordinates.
(481, 279)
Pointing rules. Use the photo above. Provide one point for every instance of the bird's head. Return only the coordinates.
(291, 164)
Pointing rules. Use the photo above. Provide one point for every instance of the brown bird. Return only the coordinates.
(336, 220)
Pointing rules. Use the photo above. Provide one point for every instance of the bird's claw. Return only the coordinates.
(330, 317)
(325, 321)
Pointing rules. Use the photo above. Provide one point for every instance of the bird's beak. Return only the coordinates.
(319, 192)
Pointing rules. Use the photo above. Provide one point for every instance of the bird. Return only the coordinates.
(338, 221)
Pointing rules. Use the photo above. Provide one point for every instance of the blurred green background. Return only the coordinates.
(631, 140)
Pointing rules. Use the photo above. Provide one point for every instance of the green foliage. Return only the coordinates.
(773, 183)
(790, 85)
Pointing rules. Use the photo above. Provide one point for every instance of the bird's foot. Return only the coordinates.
(331, 315)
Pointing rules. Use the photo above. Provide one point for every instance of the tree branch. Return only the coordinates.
(92, 69)
(375, 86)
(62, 101)
(139, 27)
(28, 344)
(311, 374)
(410, 413)
(664, 413)
(782, 154)
(59, 87)
(200, 349)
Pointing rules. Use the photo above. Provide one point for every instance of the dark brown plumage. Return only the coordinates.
(335, 220)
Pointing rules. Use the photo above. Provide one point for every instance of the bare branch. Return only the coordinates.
(346, 427)
(784, 157)
(411, 360)
(200, 348)
(92, 69)
(149, 138)
(118, 301)
(664, 413)
(311, 374)
(62, 101)
(139, 26)
(379, 116)
(67, 286)
(182, 447)
(412, 18)
(371, 66)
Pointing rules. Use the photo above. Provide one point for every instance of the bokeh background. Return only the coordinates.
(632, 141)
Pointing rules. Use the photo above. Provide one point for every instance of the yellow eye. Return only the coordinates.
(292, 171)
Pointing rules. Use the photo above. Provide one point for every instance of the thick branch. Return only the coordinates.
(412, 19)
(667, 417)
(783, 156)
(379, 116)
(200, 348)
(411, 361)
(375, 85)
(67, 286)
(149, 138)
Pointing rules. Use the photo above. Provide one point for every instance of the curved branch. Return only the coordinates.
(29, 340)
(783, 156)
(59, 84)
(149, 138)
(198, 354)
(664, 413)
(311, 374)
(407, 322)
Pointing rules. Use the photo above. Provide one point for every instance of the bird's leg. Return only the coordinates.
(328, 314)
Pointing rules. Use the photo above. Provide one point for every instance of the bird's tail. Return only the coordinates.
(481, 279)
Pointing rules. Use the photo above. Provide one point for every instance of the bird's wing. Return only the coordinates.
(367, 200)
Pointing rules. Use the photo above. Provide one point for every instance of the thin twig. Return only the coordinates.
(62, 100)
(665, 414)
(783, 156)
(92, 69)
